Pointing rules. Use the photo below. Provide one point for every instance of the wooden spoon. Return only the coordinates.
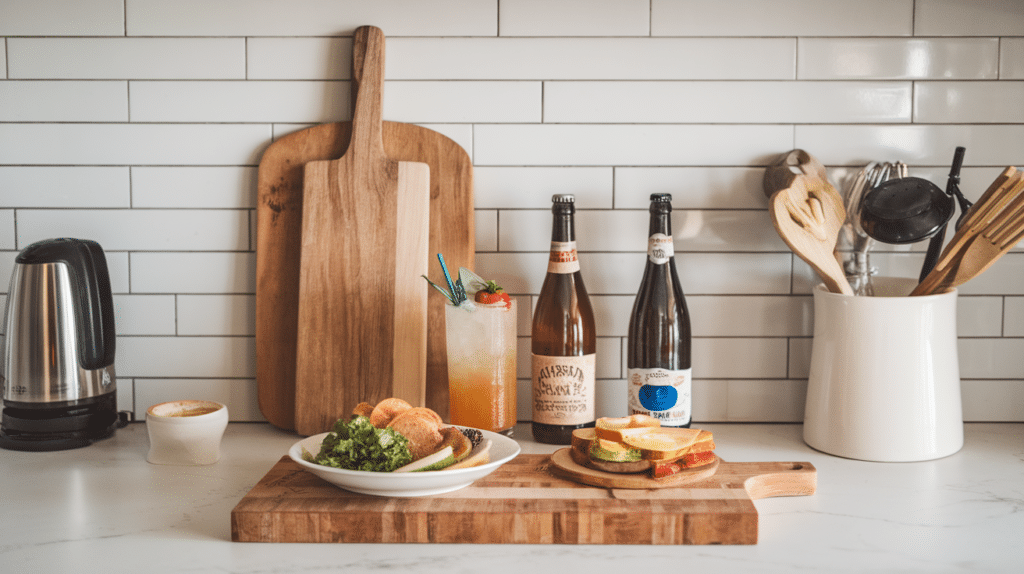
(808, 216)
(786, 169)
(993, 226)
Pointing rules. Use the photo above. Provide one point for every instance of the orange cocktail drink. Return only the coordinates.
(481, 342)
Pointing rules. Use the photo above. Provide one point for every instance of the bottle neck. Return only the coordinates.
(661, 222)
(563, 227)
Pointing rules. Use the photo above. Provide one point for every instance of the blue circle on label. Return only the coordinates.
(658, 397)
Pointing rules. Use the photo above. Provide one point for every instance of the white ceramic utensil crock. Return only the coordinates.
(885, 378)
(179, 436)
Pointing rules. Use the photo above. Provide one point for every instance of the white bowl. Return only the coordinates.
(178, 438)
(427, 483)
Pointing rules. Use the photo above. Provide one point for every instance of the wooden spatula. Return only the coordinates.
(992, 227)
(808, 215)
(362, 303)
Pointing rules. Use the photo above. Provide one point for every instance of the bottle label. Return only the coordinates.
(660, 248)
(661, 393)
(563, 258)
(563, 389)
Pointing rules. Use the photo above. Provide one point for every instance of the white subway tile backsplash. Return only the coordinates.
(254, 101)
(140, 229)
(727, 102)
(532, 187)
(991, 358)
(717, 316)
(128, 58)
(691, 187)
(626, 230)
(766, 400)
(739, 358)
(462, 102)
(485, 228)
(782, 18)
(979, 316)
(977, 18)
(562, 18)
(897, 58)
(145, 133)
(43, 101)
(144, 315)
(1013, 317)
(216, 315)
(299, 58)
(310, 17)
(591, 59)
(66, 187)
(132, 144)
(620, 273)
(221, 273)
(653, 145)
(59, 18)
(7, 233)
(194, 187)
(238, 394)
(925, 145)
(996, 102)
(1011, 58)
(191, 357)
(993, 401)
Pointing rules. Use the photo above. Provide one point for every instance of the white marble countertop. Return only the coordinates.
(104, 509)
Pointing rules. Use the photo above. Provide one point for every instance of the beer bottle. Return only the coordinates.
(658, 347)
(563, 339)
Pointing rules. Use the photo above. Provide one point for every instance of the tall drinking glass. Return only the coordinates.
(481, 342)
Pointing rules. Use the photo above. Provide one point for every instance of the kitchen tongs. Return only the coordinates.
(993, 226)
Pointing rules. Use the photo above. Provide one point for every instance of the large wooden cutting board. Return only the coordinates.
(520, 503)
(279, 222)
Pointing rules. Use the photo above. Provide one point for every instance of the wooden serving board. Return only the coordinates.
(279, 236)
(563, 465)
(521, 502)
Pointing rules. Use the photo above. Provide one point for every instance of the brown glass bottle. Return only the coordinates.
(658, 372)
(563, 338)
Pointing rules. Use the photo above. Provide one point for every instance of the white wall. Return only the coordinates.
(140, 123)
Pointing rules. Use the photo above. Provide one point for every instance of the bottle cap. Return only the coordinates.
(563, 198)
(661, 197)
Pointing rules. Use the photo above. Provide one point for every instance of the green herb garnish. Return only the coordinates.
(358, 445)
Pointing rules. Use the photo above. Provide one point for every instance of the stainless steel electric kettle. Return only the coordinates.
(59, 384)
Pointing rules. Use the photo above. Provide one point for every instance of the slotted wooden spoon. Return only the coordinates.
(808, 216)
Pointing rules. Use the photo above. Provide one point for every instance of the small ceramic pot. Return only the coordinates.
(185, 432)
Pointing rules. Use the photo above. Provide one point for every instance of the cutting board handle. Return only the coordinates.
(368, 90)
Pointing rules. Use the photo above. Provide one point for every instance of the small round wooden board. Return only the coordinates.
(564, 466)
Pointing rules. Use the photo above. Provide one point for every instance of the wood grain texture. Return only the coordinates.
(563, 465)
(357, 248)
(279, 223)
(520, 503)
(808, 216)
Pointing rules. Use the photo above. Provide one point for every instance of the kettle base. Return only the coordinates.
(52, 428)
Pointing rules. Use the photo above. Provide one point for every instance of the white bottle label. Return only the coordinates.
(563, 389)
(661, 393)
(563, 258)
(660, 248)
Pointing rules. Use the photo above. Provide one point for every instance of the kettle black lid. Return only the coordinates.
(94, 309)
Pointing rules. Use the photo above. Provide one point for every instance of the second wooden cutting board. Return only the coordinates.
(362, 328)
(280, 191)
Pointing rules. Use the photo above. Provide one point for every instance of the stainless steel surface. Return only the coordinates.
(41, 344)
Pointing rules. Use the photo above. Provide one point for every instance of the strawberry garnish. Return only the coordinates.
(491, 294)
